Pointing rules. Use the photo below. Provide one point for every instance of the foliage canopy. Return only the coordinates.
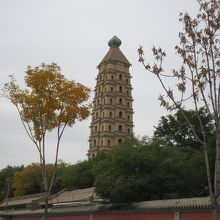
(174, 130)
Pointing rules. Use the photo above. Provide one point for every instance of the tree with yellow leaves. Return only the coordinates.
(49, 103)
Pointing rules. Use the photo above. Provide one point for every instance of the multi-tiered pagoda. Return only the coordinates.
(112, 115)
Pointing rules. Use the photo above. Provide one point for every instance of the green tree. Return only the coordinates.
(177, 169)
(135, 171)
(120, 177)
(81, 175)
(197, 79)
(49, 103)
(6, 179)
(174, 130)
(78, 176)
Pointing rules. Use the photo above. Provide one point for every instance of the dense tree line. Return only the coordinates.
(140, 169)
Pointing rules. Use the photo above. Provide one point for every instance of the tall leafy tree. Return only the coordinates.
(138, 171)
(197, 79)
(174, 130)
(49, 103)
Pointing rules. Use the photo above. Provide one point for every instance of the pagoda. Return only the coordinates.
(112, 114)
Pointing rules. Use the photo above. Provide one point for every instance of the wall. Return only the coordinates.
(141, 216)
(197, 215)
(130, 216)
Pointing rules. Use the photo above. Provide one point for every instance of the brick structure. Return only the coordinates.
(112, 115)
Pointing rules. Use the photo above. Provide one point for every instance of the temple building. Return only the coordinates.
(112, 114)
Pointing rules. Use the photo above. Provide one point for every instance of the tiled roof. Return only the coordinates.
(115, 54)
(80, 201)
(186, 203)
(22, 200)
(74, 196)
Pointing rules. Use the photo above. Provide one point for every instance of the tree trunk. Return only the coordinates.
(217, 162)
(215, 213)
(45, 180)
(46, 205)
(216, 173)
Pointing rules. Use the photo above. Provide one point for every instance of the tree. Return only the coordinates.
(81, 175)
(121, 176)
(29, 180)
(78, 176)
(49, 103)
(173, 129)
(135, 171)
(6, 179)
(197, 78)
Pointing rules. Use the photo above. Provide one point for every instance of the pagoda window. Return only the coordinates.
(120, 128)
(111, 101)
(112, 77)
(128, 104)
(120, 114)
(109, 128)
(97, 114)
(120, 101)
(110, 114)
(120, 88)
(95, 128)
(120, 77)
(111, 89)
(128, 130)
(119, 141)
(128, 117)
(109, 142)
(101, 142)
(94, 142)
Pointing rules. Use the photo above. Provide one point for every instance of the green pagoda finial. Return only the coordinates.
(114, 42)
